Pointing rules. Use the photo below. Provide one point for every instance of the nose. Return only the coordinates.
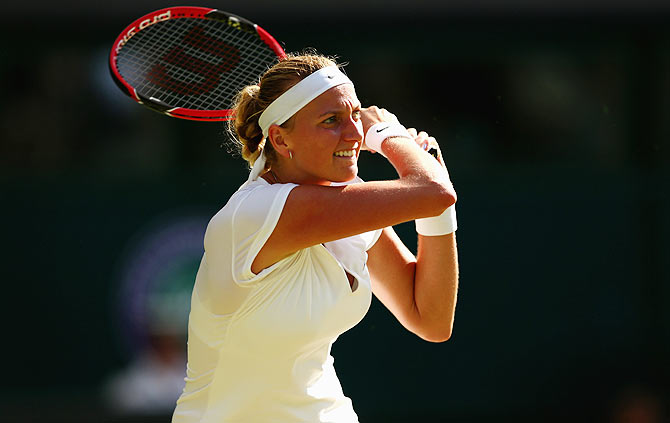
(353, 130)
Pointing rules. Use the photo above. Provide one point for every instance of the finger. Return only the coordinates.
(433, 147)
(412, 132)
(390, 117)
(421, 135)
(421, 139)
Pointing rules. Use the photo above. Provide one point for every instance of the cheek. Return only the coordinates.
(316, 143)
(324, 139)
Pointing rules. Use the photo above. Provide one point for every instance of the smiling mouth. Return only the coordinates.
(347, 153)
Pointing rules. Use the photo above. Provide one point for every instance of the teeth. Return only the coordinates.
(348, 153)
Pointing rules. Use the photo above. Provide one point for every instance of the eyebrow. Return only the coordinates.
(336, 111)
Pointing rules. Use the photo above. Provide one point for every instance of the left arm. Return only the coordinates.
(420, 291)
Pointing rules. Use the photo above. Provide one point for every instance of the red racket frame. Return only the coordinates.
(177, 13)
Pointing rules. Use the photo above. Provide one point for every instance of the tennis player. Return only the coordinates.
(292, 259)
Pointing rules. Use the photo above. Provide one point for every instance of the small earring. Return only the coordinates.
(290, 155)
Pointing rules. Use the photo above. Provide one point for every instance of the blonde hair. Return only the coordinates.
(252, 100)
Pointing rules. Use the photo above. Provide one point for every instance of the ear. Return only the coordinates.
(277, 138)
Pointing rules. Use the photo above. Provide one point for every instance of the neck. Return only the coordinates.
(286, 171)
(275, 179)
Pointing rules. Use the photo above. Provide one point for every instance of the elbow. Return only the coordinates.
(433, 328)
(438, 335)
(449, 198)
(444, 196)
(437, 339)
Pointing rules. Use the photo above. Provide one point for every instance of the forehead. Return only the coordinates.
(336, 98)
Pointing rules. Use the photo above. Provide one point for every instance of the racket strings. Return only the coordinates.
(179, 58)
(195, 64)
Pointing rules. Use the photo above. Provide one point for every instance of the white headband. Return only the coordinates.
(297, 97)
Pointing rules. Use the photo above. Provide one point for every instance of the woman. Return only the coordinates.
(291, 260)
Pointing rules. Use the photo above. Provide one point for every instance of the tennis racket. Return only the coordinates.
(190, 62)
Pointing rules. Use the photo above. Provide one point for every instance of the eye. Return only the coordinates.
(329, 120)
(356, 115)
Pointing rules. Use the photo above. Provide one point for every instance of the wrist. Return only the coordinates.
(379, 132)
(439, 225)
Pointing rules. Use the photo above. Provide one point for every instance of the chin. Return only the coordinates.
(346, 177)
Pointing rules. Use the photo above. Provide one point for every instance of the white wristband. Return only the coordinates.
(378, 132)
(439, 225)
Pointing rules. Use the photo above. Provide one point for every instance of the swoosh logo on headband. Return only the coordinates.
(383, 129)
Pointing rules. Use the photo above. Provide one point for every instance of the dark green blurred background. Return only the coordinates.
(554, 121)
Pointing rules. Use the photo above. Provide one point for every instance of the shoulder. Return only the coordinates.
(252, 204)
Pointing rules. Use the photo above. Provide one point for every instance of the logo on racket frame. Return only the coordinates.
(145, 23)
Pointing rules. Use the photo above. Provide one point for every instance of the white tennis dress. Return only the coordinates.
(268, 360)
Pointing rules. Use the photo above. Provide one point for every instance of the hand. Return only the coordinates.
(426, 143)
(372, 115)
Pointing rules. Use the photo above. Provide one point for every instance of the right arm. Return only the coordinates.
(315, 214)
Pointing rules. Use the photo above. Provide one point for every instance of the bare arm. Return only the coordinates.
(315, 214)
(420, 292)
